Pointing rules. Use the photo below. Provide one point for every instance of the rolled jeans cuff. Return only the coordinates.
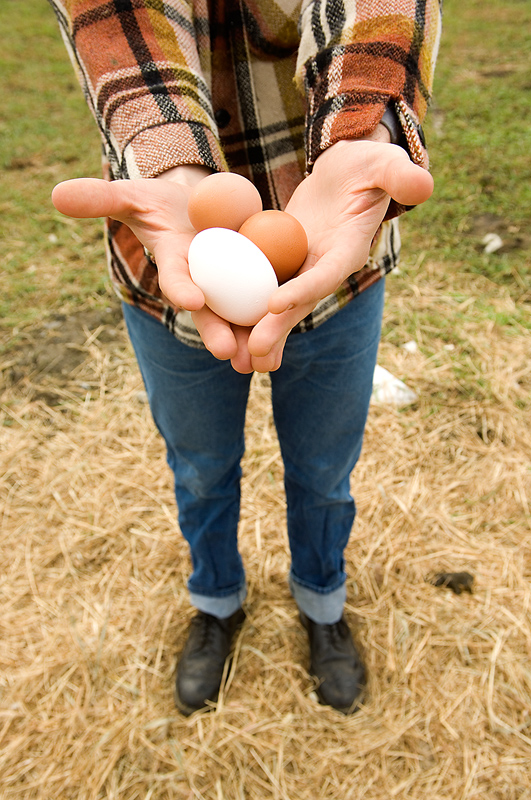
(221, 607)
(323, 608)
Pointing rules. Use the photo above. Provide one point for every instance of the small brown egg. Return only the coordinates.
(223, 200)
(281, 238)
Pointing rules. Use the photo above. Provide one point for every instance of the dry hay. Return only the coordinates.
(94, 604)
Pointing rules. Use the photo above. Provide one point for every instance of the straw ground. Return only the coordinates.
(93, 577)
(92, 566)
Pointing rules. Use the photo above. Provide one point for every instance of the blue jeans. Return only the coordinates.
(320, 398)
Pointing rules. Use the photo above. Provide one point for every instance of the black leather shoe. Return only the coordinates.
(335, 663)
(202, 661)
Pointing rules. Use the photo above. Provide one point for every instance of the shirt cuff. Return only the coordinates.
(347, 94)
(163, 146)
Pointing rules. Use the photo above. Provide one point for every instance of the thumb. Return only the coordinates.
(95, 197)
(401, 179)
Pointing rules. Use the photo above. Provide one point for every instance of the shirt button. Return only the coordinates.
(222, 117)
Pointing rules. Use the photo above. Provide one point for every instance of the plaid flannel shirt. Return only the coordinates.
(258, 87)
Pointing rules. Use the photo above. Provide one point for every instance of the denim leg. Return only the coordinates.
(198, 404)
(321, 396)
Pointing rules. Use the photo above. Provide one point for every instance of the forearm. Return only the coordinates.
(142, 75)
(379, 52)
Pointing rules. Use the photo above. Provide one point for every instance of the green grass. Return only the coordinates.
(46, 135)
(479, 136)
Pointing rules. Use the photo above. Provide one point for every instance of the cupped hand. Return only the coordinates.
(156, 212)
(229, 341)
(341, 205)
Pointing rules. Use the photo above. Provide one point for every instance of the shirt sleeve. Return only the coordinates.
(140, 68)
(356, 57)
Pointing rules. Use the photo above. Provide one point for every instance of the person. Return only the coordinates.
(321, 106)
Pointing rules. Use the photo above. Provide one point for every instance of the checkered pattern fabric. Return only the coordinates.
(258, 87)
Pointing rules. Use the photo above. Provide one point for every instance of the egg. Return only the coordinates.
(223, 200)
(281, 238)
(234, 275)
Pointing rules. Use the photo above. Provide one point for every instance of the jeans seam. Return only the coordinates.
(320, 590)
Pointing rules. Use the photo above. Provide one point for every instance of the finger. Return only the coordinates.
(174, 277)
(404, 181)
(241, 362)
(94, 197)
(272, 361)
(216, 333)
(270, 333)
(321, 280)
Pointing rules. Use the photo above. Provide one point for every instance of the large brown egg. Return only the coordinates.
(223, 200)
(281, 238)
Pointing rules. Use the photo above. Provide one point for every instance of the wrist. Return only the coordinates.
(341, 149)
(389, 129)
(186, 174)
(380, 134)
(392, 123)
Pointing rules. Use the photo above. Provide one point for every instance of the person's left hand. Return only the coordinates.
(341, 205)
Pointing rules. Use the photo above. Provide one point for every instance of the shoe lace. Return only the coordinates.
(338, 632)
(335, 639)
(207, 630)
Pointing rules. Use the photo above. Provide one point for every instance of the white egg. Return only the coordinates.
(236, 278)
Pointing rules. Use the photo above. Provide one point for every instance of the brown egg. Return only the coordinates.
(281, 238)
(223, 200)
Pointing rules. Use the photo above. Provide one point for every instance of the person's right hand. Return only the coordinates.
(156, 211)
